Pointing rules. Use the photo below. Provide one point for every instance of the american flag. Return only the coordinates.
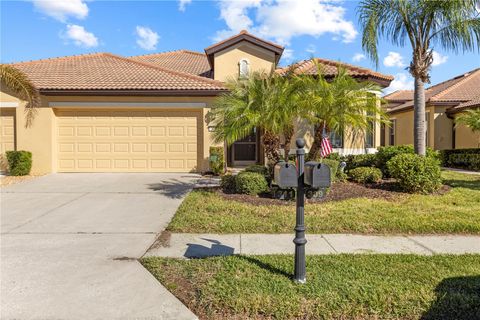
(326, 146)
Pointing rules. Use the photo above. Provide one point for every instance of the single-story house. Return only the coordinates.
(444, 101)
(102, 112)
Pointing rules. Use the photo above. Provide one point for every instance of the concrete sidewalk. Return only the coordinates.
(462, 171)
(184, 245)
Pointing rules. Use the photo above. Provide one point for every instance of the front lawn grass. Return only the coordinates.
(457, 211)
(338, 286)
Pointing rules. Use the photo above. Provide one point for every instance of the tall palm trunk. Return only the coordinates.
(419, 133)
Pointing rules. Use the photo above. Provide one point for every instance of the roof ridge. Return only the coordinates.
(61, 57)
(168, 52)
(179, 73)
(467, 76)
(353, 66)
(243, 32)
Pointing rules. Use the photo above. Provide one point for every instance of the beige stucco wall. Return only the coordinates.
(404, 127)
(443, 129)
(226, 61)
(40, 137)
(466, 138)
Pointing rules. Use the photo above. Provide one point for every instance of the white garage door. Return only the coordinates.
(127, 140)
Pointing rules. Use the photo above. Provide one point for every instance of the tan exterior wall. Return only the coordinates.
(443, 129)
(466, 138)
(40, 137)
(226, 62)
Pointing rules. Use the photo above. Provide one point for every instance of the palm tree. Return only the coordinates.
(451, 25)
(471, 119)
(265, 101)
(18, 83)
(336, 104)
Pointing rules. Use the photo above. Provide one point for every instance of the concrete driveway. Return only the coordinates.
(69, 244)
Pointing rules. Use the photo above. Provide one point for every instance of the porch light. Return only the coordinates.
(211, 128)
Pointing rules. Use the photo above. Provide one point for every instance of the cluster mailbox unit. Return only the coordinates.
(307, 178)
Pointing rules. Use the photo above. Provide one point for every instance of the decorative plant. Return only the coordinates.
(451, 25)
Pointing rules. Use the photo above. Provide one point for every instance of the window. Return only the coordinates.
(370, 135)
(391, 133)
(427, 122)
(243, 68)
(382, 135)
(336, 139)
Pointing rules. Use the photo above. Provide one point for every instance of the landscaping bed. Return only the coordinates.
(381, 212)
(338, 286)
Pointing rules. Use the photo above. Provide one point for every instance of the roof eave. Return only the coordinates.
(65, 92)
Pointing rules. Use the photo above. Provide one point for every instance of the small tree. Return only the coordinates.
(338, 103)
(449, 24)
(471, 119)
(18, 82)
(266, 101)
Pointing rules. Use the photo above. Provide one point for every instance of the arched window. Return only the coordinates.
(243, 68)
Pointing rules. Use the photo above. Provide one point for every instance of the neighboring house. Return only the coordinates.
(106, 113)
(444, 101)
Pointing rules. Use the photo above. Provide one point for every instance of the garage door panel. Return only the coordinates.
(137, 141)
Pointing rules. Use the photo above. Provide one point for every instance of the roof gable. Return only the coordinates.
(243, 36)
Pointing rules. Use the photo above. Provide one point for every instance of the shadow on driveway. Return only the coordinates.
(172, 188)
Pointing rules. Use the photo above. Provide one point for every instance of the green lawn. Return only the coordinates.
(457, 211)
(338, 286)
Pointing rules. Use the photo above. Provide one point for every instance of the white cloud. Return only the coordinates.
(358, 57)
(281, 20)
(402, 81)
(287, 55)
(147, 38)
(62, 9)
(182, 4)
(311, 49)
(393, 59)
(438, 58)
(80, 36)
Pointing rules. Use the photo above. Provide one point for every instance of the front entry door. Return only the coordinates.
(244, 152)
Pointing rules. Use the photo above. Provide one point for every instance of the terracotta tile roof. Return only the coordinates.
(455, 91)
(105, 71)
(330, 69)
(181, 60)
(399, 95)
(474, 103)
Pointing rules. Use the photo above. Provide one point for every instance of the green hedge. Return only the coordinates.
(386, 153)
(415, 174)
(227, 183)
(217, 161)
(19, 162)
(365, 175)
(360, 160)
(258, 168)
(461, 158)
(250, 183)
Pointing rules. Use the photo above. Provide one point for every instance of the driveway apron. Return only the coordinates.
(69, 244)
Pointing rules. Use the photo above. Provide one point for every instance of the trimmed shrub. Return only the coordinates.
(365, 175)
(227, 183)
(334, 156)
(461, 158)
(415, 174)
(384, 155)
(19, 162)
(360, 160)
(217, 161)
(258, 168)
(250, 183)
(334, 167)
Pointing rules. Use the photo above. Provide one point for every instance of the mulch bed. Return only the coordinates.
(385, 190)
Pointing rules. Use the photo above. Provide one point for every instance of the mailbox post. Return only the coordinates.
(300, 240)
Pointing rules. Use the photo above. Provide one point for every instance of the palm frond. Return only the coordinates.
(18, 83)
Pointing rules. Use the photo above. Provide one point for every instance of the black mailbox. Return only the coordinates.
(285, 175)
(317, 175)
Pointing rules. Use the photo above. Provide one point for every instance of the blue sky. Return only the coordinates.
(328, 29)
